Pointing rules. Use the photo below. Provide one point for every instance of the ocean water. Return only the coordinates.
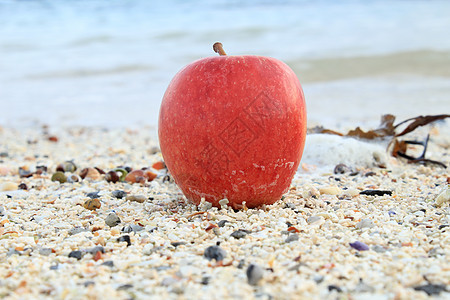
(108, 63)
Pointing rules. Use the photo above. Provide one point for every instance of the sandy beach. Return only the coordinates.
(328, 238)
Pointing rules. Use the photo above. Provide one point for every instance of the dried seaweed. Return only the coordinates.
(387, 129)
(376, 192)
(418, 122)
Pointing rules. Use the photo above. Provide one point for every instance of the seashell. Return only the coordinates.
(59, 176)
(90, 173)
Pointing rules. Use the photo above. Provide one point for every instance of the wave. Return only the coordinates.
(67, 74)
(428, 63)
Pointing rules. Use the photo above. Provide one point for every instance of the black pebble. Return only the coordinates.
(241, 264)
(376, 192)
(125, 238)
(96, 249)
(108, 263)
(214, 252)
(119, 194)
(254, 274)
(88, 283)
(205, 280)
(442, 226)
(222, 223)
(176, 244)
(332, 287)
(93, 195)
(431, 289)
(76, 254)
(239, 234)
(125, 287)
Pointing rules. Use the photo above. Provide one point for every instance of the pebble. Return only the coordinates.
(205, 280)
(125, 238)
(333, 287)
(379, 249)
(239, 234)
(330, 190)
(95, 249)
(254, 274)
(93, 195)
(176, 244)
(125, 287)
(222, 223)
(77, 230)
(365, 223)
(241, 264)
(112, 176)
(108, 263)
(132, 228)
(360, 246)
(215, 252)
(12, 252)
(76, 254)
(136, 176)
(119, 194)
(112, 220)
(431, 289)
(92, 204)
(318, 278)
(88, 283)
(2, 211)
(136, 198)
(148, 249)
(443, 197)
(313, 219)
(291, 238)
(45, 251)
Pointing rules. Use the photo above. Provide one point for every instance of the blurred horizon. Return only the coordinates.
(108, 63)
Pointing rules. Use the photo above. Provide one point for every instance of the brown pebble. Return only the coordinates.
(92, 204)
(137, 198)
(159, 165)
(150, 175)
(112, 176)
(136, 176)
(53, 138)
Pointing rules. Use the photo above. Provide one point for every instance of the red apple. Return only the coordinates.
(233, 127)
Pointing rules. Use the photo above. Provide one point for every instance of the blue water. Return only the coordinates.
(108, 62)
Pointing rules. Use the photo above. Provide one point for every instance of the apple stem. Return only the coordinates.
(218, 48)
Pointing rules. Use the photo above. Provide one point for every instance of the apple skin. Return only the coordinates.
(233, 127)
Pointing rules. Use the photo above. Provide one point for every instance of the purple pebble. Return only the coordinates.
(360, 246)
